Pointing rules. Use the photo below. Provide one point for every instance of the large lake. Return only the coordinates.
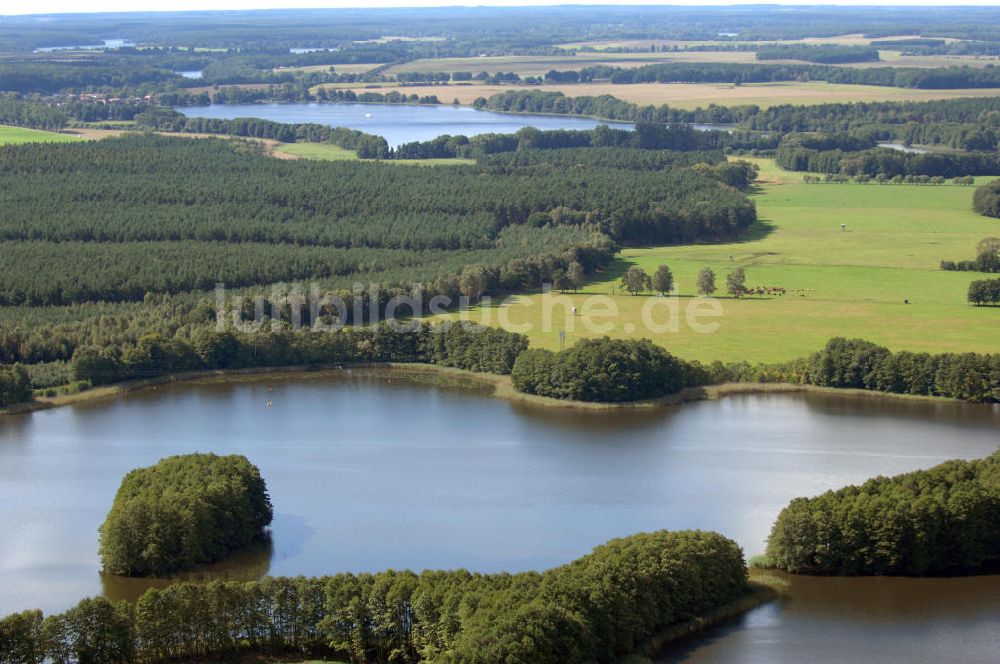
(398, 123)
(370, 469)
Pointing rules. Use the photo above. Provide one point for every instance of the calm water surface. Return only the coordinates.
(398, 123)
(108, 43)
(368, 470)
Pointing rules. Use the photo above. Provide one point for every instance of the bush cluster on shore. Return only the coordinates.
(15, 385)
(604, 370)
(182, 512)
(942, 520)
(593, 610)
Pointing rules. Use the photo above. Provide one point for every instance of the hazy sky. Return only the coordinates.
(8, 7)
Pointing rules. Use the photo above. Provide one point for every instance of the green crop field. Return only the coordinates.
(850, 282)
(330, 152)
(688, 95)
(324, 151)
(17, 135)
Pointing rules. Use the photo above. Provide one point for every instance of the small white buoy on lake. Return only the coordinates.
(368, 115)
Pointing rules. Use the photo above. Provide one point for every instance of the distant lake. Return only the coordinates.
(398, 123)
(189, 74)
(108, 43)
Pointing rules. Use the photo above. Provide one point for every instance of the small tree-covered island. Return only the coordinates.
(182, 512)
(478, 289)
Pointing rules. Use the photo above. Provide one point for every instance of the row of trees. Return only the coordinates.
(459, 345)
(593, 610)
(848, 155)
(882, 178)
(987, 258)
(182, 512)
(899, 77)
(966, 124)
(636, 280)
(941, 520)
(984, 291)
(609, 107)
(645, 136)
(860, 364)
(619, 158)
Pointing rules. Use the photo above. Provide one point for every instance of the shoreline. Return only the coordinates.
(762, 589)
(500, 386)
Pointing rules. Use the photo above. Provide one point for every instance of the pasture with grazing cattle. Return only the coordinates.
(852, 282)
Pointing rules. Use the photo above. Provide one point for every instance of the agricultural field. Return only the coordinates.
(351, 68)
(18, 135)
(695, 95)
(851, 282)
(840, 40)
(888, 57)
(330, 152)
(324, 151)
(538, 65)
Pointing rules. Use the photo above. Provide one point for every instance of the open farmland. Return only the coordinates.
(18, 135)
(840, 283)
(330, 152)
(538, 65)
(840, 40)
(694, 95)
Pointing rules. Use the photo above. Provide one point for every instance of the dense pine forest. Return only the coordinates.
(117, 219)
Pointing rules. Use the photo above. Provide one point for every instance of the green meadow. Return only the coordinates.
(324, 151)
(18, 135)
(853, 281)
(329, 152)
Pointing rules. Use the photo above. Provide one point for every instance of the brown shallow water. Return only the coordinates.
(368, 470)
(836, 620)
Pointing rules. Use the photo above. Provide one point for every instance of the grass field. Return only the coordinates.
(694, 95)
(18, 135)
(330, 152)
(324, 151)
(851, 283)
